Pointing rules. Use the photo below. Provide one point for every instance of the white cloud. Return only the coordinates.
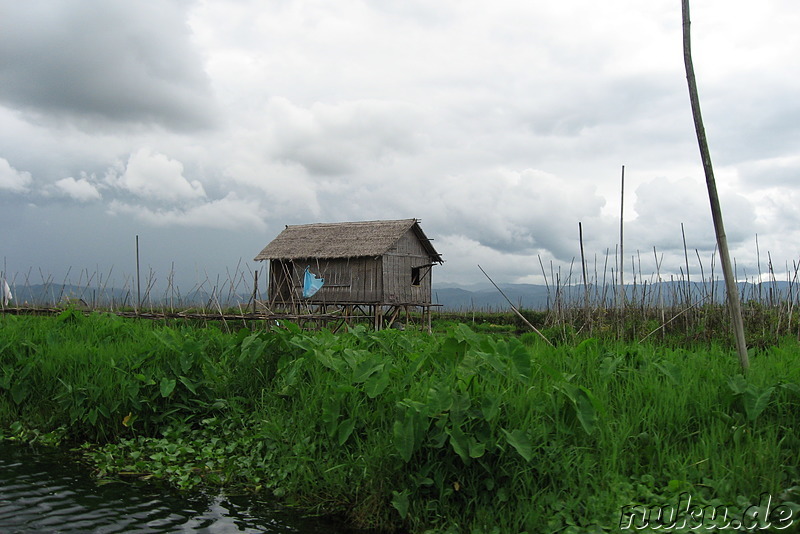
(508, 210)
(229, 213)
(461, 267)
(13, 180)
(80, 189)
(334, 139)
(662, 205)
(154, 176)
(285, 186)
(501, 125)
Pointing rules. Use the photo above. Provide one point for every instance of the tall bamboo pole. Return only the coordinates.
(586, 307)
(138, 279)
(716, 211)
(583, 269)
(621, 266)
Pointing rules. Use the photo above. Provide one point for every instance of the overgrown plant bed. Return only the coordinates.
(404, 431)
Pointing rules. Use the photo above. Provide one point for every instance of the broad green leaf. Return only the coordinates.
(167, 386)
(464, 333)
(290, 371)
(476, 449)
(608, 365)
(186, 360)
(345, 430)
(6, 377)
(403, 434)
(584, 403)
(19, 391)
(188, 383)
(585, 410)
(596, 404)
(169, 339)
(366, 368)
(145, 380)
(69, 315)
(586, 345)
(354, 357)
(459, 442)
(331, 360)
(791, 386)
(330, 415)
(755, 401)
(459, 410)
(554, 373)
(738, 384)
(521, 443)
(377, 383)
(490, 357)
(490, 406)
(520, 357)
(439, 399)
(252, 345)
(452, 350)
(400, 502)
(671, 371)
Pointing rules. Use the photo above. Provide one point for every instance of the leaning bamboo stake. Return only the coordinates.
(524, 320)
(665, 323)
(716, 211)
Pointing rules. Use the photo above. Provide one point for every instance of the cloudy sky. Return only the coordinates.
(205, 126)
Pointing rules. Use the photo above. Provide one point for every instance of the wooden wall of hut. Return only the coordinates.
(407, 272)
(347, 280)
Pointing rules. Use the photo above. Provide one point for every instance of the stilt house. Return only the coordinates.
(373, 263)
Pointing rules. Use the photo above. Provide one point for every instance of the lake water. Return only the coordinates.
(45, 491)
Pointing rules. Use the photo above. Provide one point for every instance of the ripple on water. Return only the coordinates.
(42, 492)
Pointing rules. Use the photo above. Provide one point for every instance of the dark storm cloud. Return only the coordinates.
(103, 61)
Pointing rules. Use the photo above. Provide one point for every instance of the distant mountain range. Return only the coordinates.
(539, 297)
(480, 297)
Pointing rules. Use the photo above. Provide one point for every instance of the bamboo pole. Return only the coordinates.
(515, 310)
(255, 289)
(138, 279)
(620, 267)
(688, 285)
(585, 280)
(716, 211)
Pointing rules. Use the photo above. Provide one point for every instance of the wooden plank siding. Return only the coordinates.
(399, 262)
(347, 280)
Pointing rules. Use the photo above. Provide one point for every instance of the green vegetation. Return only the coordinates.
(459, 431)
(689, 326)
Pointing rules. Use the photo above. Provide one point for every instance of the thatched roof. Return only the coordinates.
(342, 240)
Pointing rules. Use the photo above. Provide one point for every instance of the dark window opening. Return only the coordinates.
(415, 276)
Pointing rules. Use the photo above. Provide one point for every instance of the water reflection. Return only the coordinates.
(42, 492)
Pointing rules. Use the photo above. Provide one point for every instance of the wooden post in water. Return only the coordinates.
(716, 211)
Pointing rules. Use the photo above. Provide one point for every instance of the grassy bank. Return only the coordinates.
(459, 431)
